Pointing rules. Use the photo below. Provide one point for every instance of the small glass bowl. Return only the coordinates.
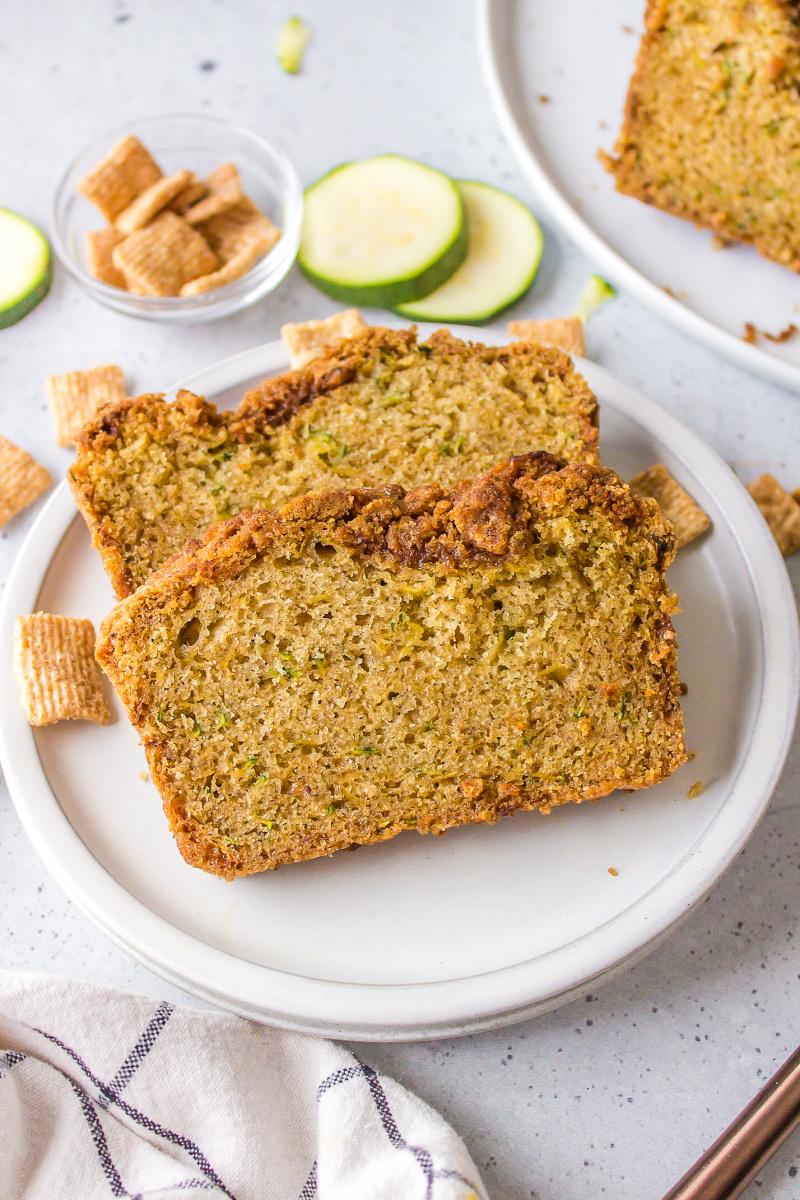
(197, 143)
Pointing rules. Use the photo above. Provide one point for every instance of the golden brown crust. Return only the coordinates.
(103, 430)
(471, 524)
(273, 403)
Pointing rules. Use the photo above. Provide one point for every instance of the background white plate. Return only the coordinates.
(425, 937)
(580, 56)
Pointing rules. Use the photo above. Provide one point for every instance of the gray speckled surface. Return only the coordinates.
(616, 1093)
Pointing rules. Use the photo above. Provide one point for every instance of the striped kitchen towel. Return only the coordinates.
(104, 1093)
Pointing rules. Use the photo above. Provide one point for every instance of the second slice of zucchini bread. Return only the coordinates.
(374, 409)
(365, 662)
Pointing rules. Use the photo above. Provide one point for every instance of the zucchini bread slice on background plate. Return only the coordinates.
(368, 661)
(379, 408)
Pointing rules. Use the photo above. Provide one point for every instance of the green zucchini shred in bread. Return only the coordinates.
(373, 409)
(712, 122)
(368, 661)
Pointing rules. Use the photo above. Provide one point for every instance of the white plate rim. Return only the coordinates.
(453, 1007)
(490, 24)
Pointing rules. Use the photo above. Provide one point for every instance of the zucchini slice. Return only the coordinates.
(292, 44)
(505, 249)
(382, 231)
(26, 270)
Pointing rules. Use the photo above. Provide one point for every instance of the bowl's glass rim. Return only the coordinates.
(293, 202)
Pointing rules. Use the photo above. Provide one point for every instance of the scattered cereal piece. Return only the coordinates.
(780, 510)
(677, 505)
(100, 245)
(234, 268)
(143, 775)
(750, 334)
(225, 190)
(75, 396)
(565, 333)
(305, 340)
(613, 871)
(56, 669)
(231, 231)
(195, 190)
(695, 790)
(126, 171)
(151, 201)
(22, 480)
(164, 256)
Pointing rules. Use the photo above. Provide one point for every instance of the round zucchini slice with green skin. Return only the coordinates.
(26, 270)
(382, 231)
(505, 249)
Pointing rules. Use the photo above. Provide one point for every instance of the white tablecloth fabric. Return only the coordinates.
(104, 1093)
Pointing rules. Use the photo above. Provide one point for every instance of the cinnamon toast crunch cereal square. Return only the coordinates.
(306, 339)
(75, 396)
(56, 669)
(685, 515)
(163, 256)
(125, 172)
(22, 480)
(780, 510)
(565, 333)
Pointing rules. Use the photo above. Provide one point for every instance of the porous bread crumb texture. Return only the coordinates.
(56, 670)
(712, 121)
(780, 509)
(684, 514)
(365, 662)
(22, 480)
(373, 409)
(566, 333)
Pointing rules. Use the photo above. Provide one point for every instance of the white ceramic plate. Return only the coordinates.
(424, 936)
(580, 56)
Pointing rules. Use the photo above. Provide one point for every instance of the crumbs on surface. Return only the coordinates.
(695, 790)
(613, 871)
(752, 334)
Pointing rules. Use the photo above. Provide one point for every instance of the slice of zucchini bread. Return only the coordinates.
(712, 122)
(374, 409)
(368, 661)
